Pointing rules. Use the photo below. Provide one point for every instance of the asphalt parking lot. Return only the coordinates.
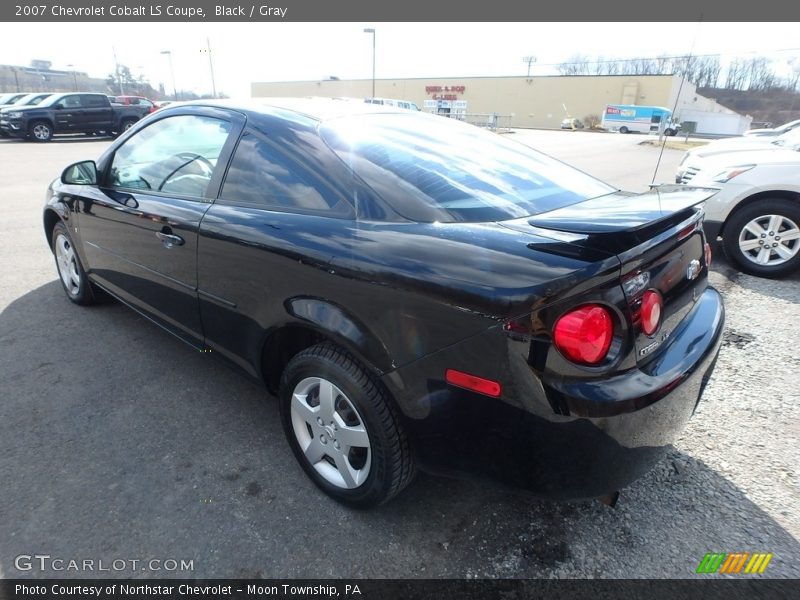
(119, 443)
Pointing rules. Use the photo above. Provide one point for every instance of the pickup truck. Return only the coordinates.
(68, 113)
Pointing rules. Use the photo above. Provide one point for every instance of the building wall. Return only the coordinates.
(533, 101)
(30, 79)
(711, 116)
(528, 102)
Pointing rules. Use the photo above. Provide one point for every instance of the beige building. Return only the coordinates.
(525, 101)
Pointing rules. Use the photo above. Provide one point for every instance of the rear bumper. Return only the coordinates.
(616, 429)
(712, 230)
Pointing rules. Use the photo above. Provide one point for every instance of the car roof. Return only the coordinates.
(319, 109)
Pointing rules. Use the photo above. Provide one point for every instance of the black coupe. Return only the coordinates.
(419, 293)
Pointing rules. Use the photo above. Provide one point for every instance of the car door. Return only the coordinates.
(69, 114)
(95, 112)
(282, 213)
(139, 226)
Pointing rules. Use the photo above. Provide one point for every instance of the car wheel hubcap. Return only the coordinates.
(770, 240)
(41, 132)
(67, 265)
(331, 433)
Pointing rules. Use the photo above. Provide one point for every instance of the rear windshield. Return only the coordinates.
(432, 168)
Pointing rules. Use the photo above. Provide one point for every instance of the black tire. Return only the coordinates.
(623, 129)
(760, 210)
(391, 462)
(40, 131)
(125, 124)
(669, 132)
(82, 293)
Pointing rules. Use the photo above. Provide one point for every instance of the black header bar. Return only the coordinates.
(701, 588)
(406, 10)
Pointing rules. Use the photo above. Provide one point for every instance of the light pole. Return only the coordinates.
(372, 31)
(74, 77)
(172, 72)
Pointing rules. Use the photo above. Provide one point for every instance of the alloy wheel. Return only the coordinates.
(41, 132)
(770, 240)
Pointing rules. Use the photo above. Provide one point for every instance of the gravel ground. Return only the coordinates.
(116, 441)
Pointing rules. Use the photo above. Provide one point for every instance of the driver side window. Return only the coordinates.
(175, 156)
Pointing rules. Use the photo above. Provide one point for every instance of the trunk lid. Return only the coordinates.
(656, 236)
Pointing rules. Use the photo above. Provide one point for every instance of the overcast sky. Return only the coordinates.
(246, 52)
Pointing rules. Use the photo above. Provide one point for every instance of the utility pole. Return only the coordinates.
(116, 65)
(530, 60)
(372, 31)
(211, 67)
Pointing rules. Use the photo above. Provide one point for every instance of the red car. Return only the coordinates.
(134, 101)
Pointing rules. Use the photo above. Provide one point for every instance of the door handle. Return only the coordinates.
(169, 240)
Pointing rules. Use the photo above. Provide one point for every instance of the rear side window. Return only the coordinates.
(176, 155)
(431, 168)
(260, 175)
(93, 101)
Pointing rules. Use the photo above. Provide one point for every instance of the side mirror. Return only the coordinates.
(58, 106)
(80, 173)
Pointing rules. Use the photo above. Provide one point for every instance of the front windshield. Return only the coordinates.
(432, 168)
(30, 100)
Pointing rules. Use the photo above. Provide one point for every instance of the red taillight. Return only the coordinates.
(473, 383)
(707, 250)
(651, 311)
(584, 334)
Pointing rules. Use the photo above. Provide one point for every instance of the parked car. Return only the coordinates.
(26, 100)
(571, 123)
(417, 291)
(69, 113)
(756, 212)
(773, 131)
(134, 101)
(11, 98)
(392, 102)
(788, 140)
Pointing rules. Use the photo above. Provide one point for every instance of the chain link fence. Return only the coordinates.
(491, 121)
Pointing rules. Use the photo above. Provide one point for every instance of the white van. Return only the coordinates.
(391, 102)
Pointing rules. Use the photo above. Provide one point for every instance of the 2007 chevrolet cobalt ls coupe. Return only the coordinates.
(418, 292)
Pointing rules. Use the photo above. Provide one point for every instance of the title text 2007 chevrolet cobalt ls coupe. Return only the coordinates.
(418, 292)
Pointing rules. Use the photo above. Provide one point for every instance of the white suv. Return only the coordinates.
(757, 208)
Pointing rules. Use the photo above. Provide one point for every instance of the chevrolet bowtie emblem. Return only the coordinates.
(693, 270)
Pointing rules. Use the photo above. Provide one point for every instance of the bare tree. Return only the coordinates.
(591, 121)
(577, 64)
(756, 73)
(794, 77)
